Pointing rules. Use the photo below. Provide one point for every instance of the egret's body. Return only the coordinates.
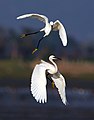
(49, 26)
(38, 80)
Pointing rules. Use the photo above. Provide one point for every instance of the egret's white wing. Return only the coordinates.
(62, 33)
(38, 16)
(38, 83)
(60, 84)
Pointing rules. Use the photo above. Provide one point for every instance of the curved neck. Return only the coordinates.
(53, 63)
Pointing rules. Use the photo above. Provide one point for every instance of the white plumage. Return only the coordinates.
(38, 80)
(57, 25)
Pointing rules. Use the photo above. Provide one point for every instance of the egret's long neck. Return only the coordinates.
(54, 64)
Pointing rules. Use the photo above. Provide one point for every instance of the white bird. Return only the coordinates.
(49, 26)
(38, 80)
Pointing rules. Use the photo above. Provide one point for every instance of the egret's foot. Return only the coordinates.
(23, 35)
(53, 85)
(34, 51)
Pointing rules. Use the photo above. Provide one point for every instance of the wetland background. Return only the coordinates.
(17, 61)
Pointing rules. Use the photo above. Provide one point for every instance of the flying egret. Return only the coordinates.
(38, 80)
(49, 26)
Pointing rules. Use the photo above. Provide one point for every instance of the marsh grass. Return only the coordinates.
(14, 69)
(70, 69)
(77, 69)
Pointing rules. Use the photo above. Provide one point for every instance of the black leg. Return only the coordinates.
(27, 34)
(39, 42)
(37, 46)
(49, 77)
(32, 33)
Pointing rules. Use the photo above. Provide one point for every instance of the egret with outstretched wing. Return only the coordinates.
(49, 26)
(39, 82)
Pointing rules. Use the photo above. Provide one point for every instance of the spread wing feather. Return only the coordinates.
(62, 33)
(38, 16)
(60, 84)
(38, 83)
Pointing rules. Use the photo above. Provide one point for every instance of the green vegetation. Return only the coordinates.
(14, 69)
(18, 69)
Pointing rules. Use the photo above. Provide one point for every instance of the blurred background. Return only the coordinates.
(17, 61)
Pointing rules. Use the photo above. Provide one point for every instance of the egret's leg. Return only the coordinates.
(48, 77)
(37, 45)
(27, 34)
(53, 85)
(39, 42)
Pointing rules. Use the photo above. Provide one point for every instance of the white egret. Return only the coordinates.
(38, 80)
(49, 26)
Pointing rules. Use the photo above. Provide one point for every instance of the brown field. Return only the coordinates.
(77, 68)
